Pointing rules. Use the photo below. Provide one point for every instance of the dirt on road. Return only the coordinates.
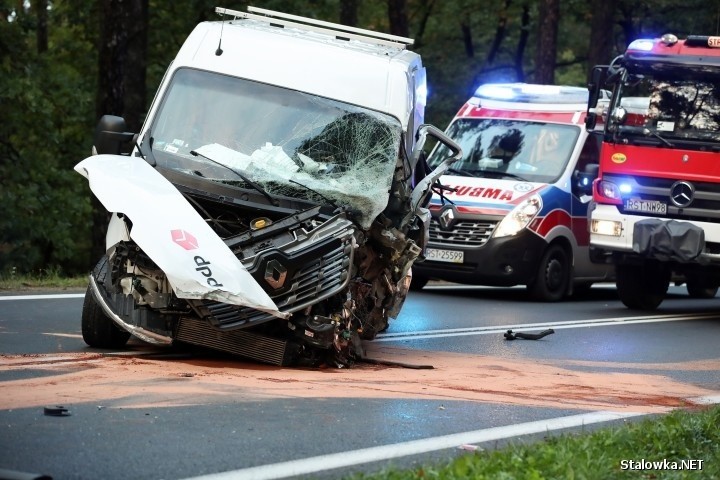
(142, 381)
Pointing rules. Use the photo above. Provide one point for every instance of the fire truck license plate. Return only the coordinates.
(450, 256)
(645, 206)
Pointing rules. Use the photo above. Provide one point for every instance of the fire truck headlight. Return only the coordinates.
(609, 190)
(606, 227)
(519, 217)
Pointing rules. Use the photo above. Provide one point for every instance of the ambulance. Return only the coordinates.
(514, 209)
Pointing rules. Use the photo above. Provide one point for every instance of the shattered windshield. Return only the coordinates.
(290, 143)
(513, 149)
(674, 109)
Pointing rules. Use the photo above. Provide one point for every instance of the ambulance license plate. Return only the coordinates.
(645, 206)
(440, 255)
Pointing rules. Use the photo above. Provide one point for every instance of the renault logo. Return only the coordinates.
(682, 194)
(275, 274)
(446, 218)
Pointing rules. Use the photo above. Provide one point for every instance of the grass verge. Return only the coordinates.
(658, 448)
(50, 278)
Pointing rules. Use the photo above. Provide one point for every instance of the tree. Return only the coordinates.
(601, 32)
(546, 52)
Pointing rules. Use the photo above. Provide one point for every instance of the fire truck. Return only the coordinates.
(656, 214)
(513, 210)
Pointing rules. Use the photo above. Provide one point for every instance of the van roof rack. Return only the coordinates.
(342, 31)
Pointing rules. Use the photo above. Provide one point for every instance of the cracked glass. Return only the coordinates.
(290, 143)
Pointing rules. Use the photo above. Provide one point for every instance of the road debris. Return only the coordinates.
(509, 335)
(56, 411)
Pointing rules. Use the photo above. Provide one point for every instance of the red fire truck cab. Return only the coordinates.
(657, 196)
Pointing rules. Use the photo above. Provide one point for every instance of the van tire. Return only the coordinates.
(553, 275)
(642, 287)
(98, 330)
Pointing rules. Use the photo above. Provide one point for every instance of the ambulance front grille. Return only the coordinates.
(465, 233)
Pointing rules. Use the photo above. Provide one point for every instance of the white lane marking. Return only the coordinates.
(387, 452)
(597, 322)
(42, 297)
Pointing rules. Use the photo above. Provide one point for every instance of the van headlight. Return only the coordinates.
(519, 217)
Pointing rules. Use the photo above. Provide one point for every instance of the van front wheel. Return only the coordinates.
(553, 275)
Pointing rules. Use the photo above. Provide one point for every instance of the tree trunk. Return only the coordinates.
(121, 80)
(349, 12)
(601, 33)
(499, 34)
(522, 43)
(41, 7)
(546, 48)
(397, 14)
(467, 39)
(135, 102)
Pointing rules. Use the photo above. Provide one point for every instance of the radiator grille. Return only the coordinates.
(465, 233)
(237, 342)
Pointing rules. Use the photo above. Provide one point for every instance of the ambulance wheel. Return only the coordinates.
(418, 282)
(698, 289)
(553, 275)
(98, 330)
(642, 287)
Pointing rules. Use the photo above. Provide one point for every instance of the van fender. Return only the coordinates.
(198, 264)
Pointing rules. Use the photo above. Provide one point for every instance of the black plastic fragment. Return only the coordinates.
(56, 411)
(509, 335)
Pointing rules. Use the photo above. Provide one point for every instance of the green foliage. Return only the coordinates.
(47, 99)
(676, 437)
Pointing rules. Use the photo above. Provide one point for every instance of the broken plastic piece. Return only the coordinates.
(56, 411)
(509, 335)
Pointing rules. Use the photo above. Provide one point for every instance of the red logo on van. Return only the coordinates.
(184, 239)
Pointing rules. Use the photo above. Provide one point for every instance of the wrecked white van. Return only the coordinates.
(270, 206)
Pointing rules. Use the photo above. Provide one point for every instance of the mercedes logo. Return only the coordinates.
(682, 194)
(446, 218)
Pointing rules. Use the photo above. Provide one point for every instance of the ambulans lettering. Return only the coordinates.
(483, 192)
(203, 267)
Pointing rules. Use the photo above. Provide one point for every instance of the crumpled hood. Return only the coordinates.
(169, 230)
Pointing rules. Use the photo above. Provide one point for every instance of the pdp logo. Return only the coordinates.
(184, 239)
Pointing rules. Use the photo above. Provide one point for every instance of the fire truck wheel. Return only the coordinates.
(642, 287)
(418, 282)
(553, 275)
(98, 330)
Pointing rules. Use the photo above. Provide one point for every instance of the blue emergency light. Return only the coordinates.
(531, 93)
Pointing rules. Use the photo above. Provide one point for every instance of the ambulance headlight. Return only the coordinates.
(519, 217)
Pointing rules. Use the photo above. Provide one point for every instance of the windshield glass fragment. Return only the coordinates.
(492, 148)
(290, 143)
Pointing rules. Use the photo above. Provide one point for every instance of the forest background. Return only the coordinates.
(65, 63)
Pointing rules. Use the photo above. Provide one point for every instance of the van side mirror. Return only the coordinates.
(583, 180)
(111, 136)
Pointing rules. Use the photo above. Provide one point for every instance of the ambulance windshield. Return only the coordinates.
(493, 148)
(284, 142)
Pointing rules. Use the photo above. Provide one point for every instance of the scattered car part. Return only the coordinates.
(510, 335)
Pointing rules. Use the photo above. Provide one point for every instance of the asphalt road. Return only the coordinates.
(148, 415)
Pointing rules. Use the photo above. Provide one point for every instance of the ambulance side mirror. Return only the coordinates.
(583, 179)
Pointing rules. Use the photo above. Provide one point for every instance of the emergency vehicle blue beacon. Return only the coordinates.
(514, 209)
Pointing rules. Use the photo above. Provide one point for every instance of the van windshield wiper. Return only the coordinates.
(254, 185)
